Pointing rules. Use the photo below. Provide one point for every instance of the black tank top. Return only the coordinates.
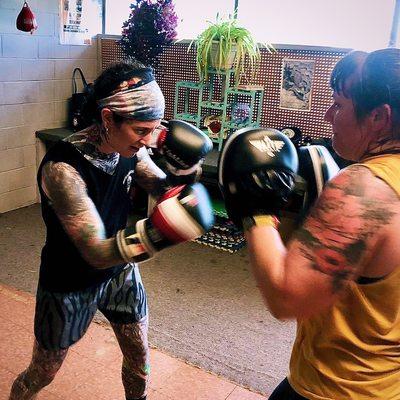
(62, 268)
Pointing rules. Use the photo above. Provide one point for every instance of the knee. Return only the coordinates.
(38, 379)
(45, 379)
(41, 374)
(29, 383)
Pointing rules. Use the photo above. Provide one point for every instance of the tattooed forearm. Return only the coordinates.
(150, 177)
(342, 227)
(88, 232)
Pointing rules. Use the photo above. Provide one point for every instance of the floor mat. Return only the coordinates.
(224, 236)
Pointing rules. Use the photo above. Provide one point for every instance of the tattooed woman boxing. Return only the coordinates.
(89, 260)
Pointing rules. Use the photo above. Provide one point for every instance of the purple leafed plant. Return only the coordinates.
(150, 26)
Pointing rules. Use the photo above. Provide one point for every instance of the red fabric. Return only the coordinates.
(165, 228)
(161, 138)
(171, 193)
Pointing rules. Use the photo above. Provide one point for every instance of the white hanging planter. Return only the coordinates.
(226, 62)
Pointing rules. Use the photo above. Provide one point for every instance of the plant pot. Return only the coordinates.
(226, 60)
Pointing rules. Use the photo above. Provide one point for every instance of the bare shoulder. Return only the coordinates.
(365, 197)
(358, 194)
(358, 180)
(63, 186)
(347, 225)
(59, 171)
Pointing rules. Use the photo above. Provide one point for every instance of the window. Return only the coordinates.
(192, 15)
(359, 24)
(117, 12)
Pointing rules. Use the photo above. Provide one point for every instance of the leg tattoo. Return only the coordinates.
(40, 373)
(132, 339)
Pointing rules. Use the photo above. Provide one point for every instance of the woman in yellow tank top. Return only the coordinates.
(340, 274)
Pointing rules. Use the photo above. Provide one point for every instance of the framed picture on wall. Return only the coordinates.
(296, 84)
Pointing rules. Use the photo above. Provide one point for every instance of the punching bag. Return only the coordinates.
(26, 20)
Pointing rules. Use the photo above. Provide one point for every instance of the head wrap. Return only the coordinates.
(141, 100)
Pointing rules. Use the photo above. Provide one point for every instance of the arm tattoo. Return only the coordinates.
(149, 176)
(78, 215)
(342, 227)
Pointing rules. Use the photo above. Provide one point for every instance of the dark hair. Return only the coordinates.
(108, 81)
(370, 80)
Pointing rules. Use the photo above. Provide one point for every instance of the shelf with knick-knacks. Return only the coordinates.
(217, 106)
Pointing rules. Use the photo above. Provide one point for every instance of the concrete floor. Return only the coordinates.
(205, 308)
(92, 367)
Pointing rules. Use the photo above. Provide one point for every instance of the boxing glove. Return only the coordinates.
(183, 147)
(183, 213)
(256, 172)
(316, 168)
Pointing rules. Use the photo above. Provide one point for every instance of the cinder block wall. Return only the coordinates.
(35, 83)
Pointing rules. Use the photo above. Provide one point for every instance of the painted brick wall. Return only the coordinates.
(35, 83)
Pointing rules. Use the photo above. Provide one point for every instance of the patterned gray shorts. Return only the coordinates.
(61, 319)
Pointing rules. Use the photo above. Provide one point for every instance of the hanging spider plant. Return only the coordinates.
(225, 45)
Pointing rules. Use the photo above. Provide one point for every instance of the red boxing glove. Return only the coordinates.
(183, 213)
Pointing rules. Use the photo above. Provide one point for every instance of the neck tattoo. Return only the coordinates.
(88, 142)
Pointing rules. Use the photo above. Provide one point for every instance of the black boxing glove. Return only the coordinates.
(256, 172)
(183, 213)
(316, 168)
(184, 148)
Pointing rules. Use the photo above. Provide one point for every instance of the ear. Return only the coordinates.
(107, 117)
(381, 118)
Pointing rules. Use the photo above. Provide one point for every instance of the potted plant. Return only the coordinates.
(224, 45)
(150, 26)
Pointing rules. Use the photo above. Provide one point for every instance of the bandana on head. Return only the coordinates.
(141, 100)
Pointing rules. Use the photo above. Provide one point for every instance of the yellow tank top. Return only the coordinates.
(352, 351)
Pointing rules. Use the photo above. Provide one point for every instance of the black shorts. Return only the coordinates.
(61, 319)
(285, 392)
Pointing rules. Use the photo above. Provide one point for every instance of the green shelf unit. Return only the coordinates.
(216, 96)
(235, 126)
(252, 95)
(244, 92)
(186, 117)
(212, 104)
(189, 84)
(223, 78)
(216, 139)
(186, 87)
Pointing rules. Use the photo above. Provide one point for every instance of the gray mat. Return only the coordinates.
(204, 305)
